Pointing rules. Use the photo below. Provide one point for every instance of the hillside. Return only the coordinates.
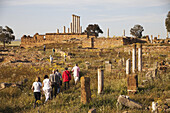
(19, 64)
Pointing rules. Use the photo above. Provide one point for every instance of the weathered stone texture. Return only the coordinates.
(132, 83)
(85, 90)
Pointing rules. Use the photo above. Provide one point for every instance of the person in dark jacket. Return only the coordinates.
(66, 78)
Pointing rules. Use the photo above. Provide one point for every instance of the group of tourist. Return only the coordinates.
(51, 84)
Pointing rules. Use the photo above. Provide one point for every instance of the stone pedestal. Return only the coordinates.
(134, 58)
(85, 90)
(140, 58)
(108, 67)
(100, 81)
(132, 83)
(128, 66)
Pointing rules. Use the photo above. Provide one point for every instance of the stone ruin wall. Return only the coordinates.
(110, 42)
(39, 40)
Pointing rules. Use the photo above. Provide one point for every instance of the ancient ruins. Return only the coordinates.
(75, 34)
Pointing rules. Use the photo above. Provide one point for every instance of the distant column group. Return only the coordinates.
(75, 25)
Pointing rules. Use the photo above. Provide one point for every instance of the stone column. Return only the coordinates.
(78, 31)
(167, 35)
(124, 32)
(108, 33)
(73, 23)
(68, 30)
(134, 58)
(77, 22)
(128, 66)
(140, 57)
(85, 90)
(151, 38)
(57, 30)
(64, 29)
(100, 81)
(71, 28)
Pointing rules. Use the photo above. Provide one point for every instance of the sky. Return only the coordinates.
(27, 17)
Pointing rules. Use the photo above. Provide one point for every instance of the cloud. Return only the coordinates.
(152, 18)
(123, 3)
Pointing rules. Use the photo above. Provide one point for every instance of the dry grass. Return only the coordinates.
(21, 100)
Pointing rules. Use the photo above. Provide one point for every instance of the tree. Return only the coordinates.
(137, 31)
(93, 30)
(6, 35)
(167, 22)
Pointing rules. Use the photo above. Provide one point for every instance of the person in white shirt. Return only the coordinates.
(36, 86)
(46, 87)
(51, 59)
(76, 71)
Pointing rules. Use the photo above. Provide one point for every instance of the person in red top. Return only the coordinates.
(66, 78)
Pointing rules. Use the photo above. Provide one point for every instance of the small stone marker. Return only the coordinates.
(132, 83)
(108, 67)
(100, 81)
(93, 110)
(85, 90)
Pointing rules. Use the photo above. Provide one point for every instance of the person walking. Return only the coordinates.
(51, 59)
(66, 78)
(55, 80)
(53, 51)
(76, 71)
(36, 86)
(60, 81)
(44, 47)
(46, 88)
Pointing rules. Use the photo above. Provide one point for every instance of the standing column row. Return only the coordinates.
(75, 25)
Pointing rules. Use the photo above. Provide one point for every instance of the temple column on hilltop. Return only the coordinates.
(134, 58)
(73, 23)
(57, 30)
(108, 33)
(124, 32)
(78, 24)
(64, 29)
(140, 58)
(151, 38)
(71, 28)
(80, 29)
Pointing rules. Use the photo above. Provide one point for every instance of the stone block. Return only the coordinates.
(126, 101)
(85, 90)
(132, 83)
(93, 110)
(108, 67)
